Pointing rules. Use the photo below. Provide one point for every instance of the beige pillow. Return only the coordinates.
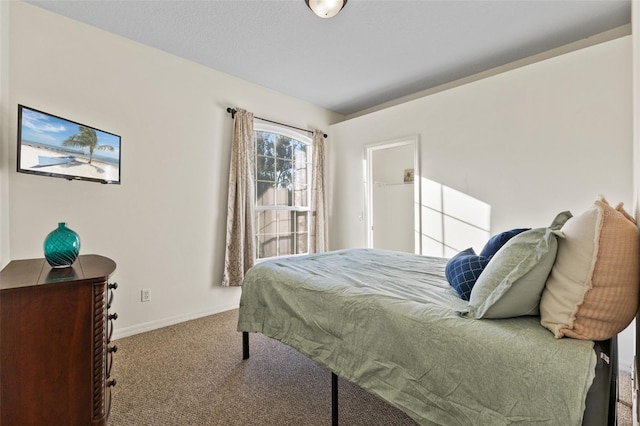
(592, 291)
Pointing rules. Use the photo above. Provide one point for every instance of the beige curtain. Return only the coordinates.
(319, 238)
(240, 252)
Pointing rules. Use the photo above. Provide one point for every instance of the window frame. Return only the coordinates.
(308, 141)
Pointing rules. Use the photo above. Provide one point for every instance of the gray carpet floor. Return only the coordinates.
(193, 374)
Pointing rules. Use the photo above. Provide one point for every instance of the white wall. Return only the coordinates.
(527, 143)
(165, 224)
(631, 338)
(4, 135)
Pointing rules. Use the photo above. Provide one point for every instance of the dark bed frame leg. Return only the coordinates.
(334, 399)
(245, 345)
(334, 380)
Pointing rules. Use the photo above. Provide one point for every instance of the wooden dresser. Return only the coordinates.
(55, 329)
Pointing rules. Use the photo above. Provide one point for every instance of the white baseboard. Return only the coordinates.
(120, 333)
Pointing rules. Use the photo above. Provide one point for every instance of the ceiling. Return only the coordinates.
(372, 52)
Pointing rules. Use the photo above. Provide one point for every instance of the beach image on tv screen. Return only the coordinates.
(54, 146)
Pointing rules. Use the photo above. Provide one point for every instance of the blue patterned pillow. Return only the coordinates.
(497, 241)
(463, 270)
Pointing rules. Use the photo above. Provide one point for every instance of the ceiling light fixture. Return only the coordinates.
(326, 8)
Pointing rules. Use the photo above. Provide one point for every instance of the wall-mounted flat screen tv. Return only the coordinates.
(53, 146)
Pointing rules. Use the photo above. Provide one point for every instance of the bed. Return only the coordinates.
(391, 323)
(522, 333)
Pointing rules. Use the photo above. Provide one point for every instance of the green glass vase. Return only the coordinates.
(61, 247)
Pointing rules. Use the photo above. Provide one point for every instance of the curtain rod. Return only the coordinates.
(233, 111)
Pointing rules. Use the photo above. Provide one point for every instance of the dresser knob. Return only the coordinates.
(113, 348)
(111, 383)
(112, 286)
(113, 316)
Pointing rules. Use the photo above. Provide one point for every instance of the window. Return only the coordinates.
(283, 196)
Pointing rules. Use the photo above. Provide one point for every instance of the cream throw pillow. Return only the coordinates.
(592, 291)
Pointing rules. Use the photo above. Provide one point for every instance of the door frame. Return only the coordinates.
(369, 149)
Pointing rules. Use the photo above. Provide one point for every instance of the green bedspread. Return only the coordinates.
(389, 322)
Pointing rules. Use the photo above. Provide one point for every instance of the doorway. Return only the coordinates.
(392, 188)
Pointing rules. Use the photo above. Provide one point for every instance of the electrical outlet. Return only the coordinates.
(145, 295)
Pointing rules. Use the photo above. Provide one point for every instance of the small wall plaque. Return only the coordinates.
(408, 175)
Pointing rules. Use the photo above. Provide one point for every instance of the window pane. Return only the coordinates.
(284, 172)
(265, 143)
(265, 168)
(302, 234)
(300, 155)
(266, 222)
(300, 177)
(283, 197)
(267, 246)
(300, 197)
(302, 224)
(285, 221)
(284, 184)
(284, 147)
(302, 243)
(265, 194)
(285, 244)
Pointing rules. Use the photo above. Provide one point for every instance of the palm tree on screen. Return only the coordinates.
(87, 138)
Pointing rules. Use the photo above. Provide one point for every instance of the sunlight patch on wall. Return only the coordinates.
(451, 220)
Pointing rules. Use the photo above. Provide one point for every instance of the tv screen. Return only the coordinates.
(53, 146)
